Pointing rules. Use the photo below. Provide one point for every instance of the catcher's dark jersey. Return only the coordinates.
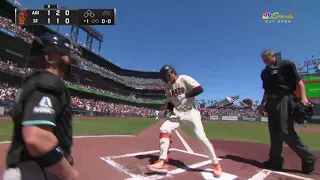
(282, 78)
(42, 100)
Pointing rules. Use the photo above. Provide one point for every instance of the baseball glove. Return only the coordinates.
(303, 113)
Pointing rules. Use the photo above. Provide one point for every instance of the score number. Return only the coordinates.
(57, 13)
(104, 21)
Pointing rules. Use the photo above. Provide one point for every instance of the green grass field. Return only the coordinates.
(254, 132)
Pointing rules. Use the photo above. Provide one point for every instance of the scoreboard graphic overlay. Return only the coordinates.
(52, 15)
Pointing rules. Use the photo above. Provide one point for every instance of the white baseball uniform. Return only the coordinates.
(157, 115)
(188, 113)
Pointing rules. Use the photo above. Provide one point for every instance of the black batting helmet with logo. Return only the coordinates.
(165, 72)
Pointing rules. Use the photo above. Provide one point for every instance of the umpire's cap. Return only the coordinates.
(51, 43)
(165, 72)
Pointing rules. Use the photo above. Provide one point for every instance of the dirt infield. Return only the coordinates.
(119, 158)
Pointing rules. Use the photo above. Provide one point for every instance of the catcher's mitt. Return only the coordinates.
(303, 113)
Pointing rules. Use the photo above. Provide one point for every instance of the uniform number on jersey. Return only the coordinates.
(177, 91)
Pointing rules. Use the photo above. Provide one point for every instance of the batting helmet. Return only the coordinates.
(165, 72)
(303, 113)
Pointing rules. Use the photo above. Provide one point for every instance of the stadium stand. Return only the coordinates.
(100, 88)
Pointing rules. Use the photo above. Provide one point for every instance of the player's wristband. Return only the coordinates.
(50, 158)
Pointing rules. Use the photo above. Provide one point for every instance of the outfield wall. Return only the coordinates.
(315, 119)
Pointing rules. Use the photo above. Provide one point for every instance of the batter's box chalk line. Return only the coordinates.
(206, 174)
(121, 168)
(262, 174)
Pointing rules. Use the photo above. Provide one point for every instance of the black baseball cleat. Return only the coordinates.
(278, 166)
(308, 168)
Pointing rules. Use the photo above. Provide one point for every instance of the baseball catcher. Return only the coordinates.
(42, 138)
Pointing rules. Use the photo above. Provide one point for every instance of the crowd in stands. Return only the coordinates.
(16, 29)
(8, 65)
(8, 93)
(231, 111)
(112, 108)
(131, 81)
(135, 82)
(104, 91)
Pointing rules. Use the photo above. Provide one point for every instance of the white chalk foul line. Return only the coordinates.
(193, 166)
(155, 151)
(123, 169)
(291, 175)
(185, 144)
(264, 173)
(109, 160)
(134, 154)
(93, 136)
(118, 166)
(192, 153)
(261, 175)
(170, 173)
(102, 136)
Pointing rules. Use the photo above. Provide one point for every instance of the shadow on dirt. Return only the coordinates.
(254, 163)
(172, 162)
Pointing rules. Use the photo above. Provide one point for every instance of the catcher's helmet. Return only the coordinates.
(165, 72)
(52, 43)
(303, 113)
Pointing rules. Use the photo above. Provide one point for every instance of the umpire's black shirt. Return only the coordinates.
(42, 100)
(281, 78)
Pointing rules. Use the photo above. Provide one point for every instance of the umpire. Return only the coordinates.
(42, 138)
(280, 79)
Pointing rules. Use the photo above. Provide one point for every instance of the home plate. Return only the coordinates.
(207, 175)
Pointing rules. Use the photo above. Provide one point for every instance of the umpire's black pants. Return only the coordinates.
(281, 128)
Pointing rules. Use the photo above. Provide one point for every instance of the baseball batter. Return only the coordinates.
(181, 92)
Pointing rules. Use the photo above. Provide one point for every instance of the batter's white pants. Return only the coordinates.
(27, 171)
(193, 119)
